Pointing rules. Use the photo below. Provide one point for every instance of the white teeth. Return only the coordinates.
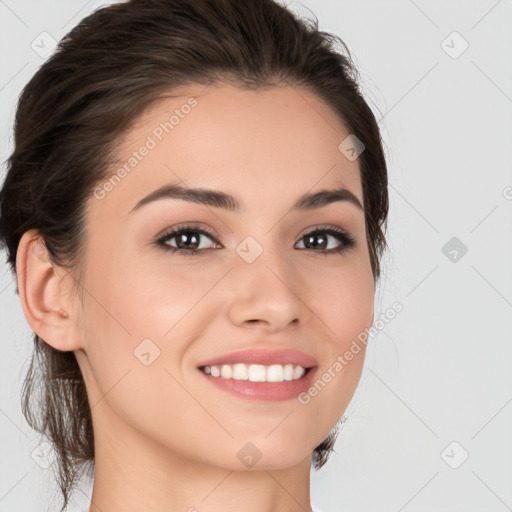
(275, 373)
(256, 372)
(226, 371)
(288, 372)
(240, 372)
(297, 372)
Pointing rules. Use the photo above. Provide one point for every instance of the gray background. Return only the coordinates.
(437, 382)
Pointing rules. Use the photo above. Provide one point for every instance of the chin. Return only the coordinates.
(268, 456)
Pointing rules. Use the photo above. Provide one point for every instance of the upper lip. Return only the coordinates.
(263, 356)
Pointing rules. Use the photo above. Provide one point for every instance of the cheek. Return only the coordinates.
(344, 305)
(343, 300)
(126, 304)
(140, 313)
(136, 298)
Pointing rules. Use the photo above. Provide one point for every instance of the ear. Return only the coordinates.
(46, 294)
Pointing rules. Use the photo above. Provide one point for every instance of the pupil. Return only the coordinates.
(310, 243)
(183, 236)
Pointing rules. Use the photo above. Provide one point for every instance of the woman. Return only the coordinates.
(195, 211)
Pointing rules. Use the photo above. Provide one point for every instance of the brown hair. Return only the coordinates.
(105, 72)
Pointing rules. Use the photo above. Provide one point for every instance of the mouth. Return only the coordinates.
(259, 382)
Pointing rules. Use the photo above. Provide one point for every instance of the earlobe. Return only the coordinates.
(45, 306)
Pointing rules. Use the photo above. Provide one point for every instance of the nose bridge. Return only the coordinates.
(264, 284)
(263, 260)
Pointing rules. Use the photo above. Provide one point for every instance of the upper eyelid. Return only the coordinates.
(173, 231)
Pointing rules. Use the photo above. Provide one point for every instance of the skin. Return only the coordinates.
(165, 438)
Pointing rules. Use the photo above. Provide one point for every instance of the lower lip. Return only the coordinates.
(268, 391)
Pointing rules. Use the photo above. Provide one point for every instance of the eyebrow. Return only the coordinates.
(218, 199)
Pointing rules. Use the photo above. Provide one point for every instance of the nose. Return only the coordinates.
(266, 293)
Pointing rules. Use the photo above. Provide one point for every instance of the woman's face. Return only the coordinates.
(257, 280)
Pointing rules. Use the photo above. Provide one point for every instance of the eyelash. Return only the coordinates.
(341, 235)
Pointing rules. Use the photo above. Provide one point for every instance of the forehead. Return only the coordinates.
(265, 146)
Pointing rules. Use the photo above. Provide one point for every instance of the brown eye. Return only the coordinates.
(189, 240)
(319, 238)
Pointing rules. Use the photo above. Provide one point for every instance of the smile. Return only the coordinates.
(259, 382)
(256, 372)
